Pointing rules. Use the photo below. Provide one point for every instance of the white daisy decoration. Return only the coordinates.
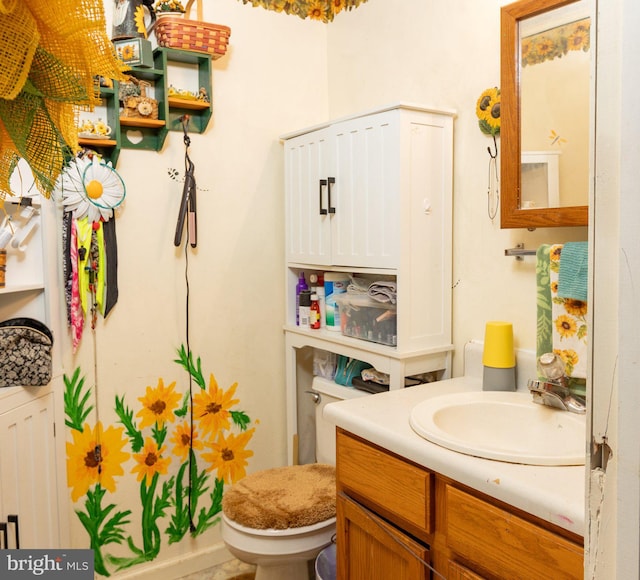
(91, 188)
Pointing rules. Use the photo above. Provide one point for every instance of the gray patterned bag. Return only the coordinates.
(25, 353)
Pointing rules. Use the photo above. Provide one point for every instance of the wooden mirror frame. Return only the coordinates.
(511, 215)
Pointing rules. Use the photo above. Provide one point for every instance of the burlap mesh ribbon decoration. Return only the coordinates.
(51, 53)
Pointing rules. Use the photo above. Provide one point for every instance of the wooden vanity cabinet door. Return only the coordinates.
(393, 487)
(459, 572)
(369, 548)
(506, 545)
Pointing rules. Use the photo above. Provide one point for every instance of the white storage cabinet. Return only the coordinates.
(371, 194)
(32, 475)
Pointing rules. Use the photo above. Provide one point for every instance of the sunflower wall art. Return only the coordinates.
(91, 192)
(488, 111)
(181, 455)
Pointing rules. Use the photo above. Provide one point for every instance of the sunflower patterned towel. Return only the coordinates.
(562, 322)
(544, 335)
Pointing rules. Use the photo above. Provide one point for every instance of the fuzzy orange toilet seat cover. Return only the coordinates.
(283, 497)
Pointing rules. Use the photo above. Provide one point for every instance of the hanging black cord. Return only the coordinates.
(189, 188)
(192, 526)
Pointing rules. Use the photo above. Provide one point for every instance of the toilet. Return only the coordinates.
(280, 519)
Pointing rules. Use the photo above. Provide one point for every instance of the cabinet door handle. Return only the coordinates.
(323, 183)
(13, 519)
(331, 181)
(4, 542)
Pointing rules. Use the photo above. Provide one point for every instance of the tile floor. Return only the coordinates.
(231, 570)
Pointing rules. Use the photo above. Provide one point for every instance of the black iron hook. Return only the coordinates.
(185, 128)
(495, 146)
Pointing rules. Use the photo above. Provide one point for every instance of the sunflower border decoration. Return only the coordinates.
(322, 10)
(557, 42)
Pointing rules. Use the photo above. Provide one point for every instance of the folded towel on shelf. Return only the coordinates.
(358, 285)
(384, 291)
(572, 278)
(569, 321)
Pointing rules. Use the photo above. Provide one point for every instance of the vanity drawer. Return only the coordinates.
(506, 545)
(398, 490)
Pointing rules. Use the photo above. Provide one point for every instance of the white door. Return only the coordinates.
(307, 211)
(27, 474)
(613, 534)
(365, 226)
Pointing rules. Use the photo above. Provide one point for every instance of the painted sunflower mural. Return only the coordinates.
(181, 455)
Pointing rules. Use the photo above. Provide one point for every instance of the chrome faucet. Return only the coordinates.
(553, 390)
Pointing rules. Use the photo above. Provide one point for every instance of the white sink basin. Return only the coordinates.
(503, 426)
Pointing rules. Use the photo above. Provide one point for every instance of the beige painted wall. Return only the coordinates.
(446, 54)
(272, 80)
(281, 74)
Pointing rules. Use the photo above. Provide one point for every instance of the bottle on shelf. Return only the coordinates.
(335, 283)
(300, 287)
(305, 308)
(314, 313)
(317, 286)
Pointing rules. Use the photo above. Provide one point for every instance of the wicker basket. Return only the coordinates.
(194, 35)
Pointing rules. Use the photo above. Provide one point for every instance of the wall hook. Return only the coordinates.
(493, 154)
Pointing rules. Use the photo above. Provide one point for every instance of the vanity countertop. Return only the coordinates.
(554, 494)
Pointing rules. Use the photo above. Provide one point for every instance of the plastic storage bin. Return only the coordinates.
(365, 318)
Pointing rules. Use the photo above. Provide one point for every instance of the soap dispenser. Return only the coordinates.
(498, 357)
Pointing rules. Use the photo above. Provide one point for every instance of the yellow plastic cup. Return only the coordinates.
(498, 345)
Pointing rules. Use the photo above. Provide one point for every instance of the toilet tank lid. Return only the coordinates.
(335, 390)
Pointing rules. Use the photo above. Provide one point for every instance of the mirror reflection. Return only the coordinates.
(555, 65)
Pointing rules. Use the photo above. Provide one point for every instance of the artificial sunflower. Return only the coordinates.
(168, 6)
(488, 111)
(91, 188)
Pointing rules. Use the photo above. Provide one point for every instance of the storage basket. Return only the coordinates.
(194, 35)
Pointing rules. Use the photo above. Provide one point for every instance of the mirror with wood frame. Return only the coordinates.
(545, 113)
